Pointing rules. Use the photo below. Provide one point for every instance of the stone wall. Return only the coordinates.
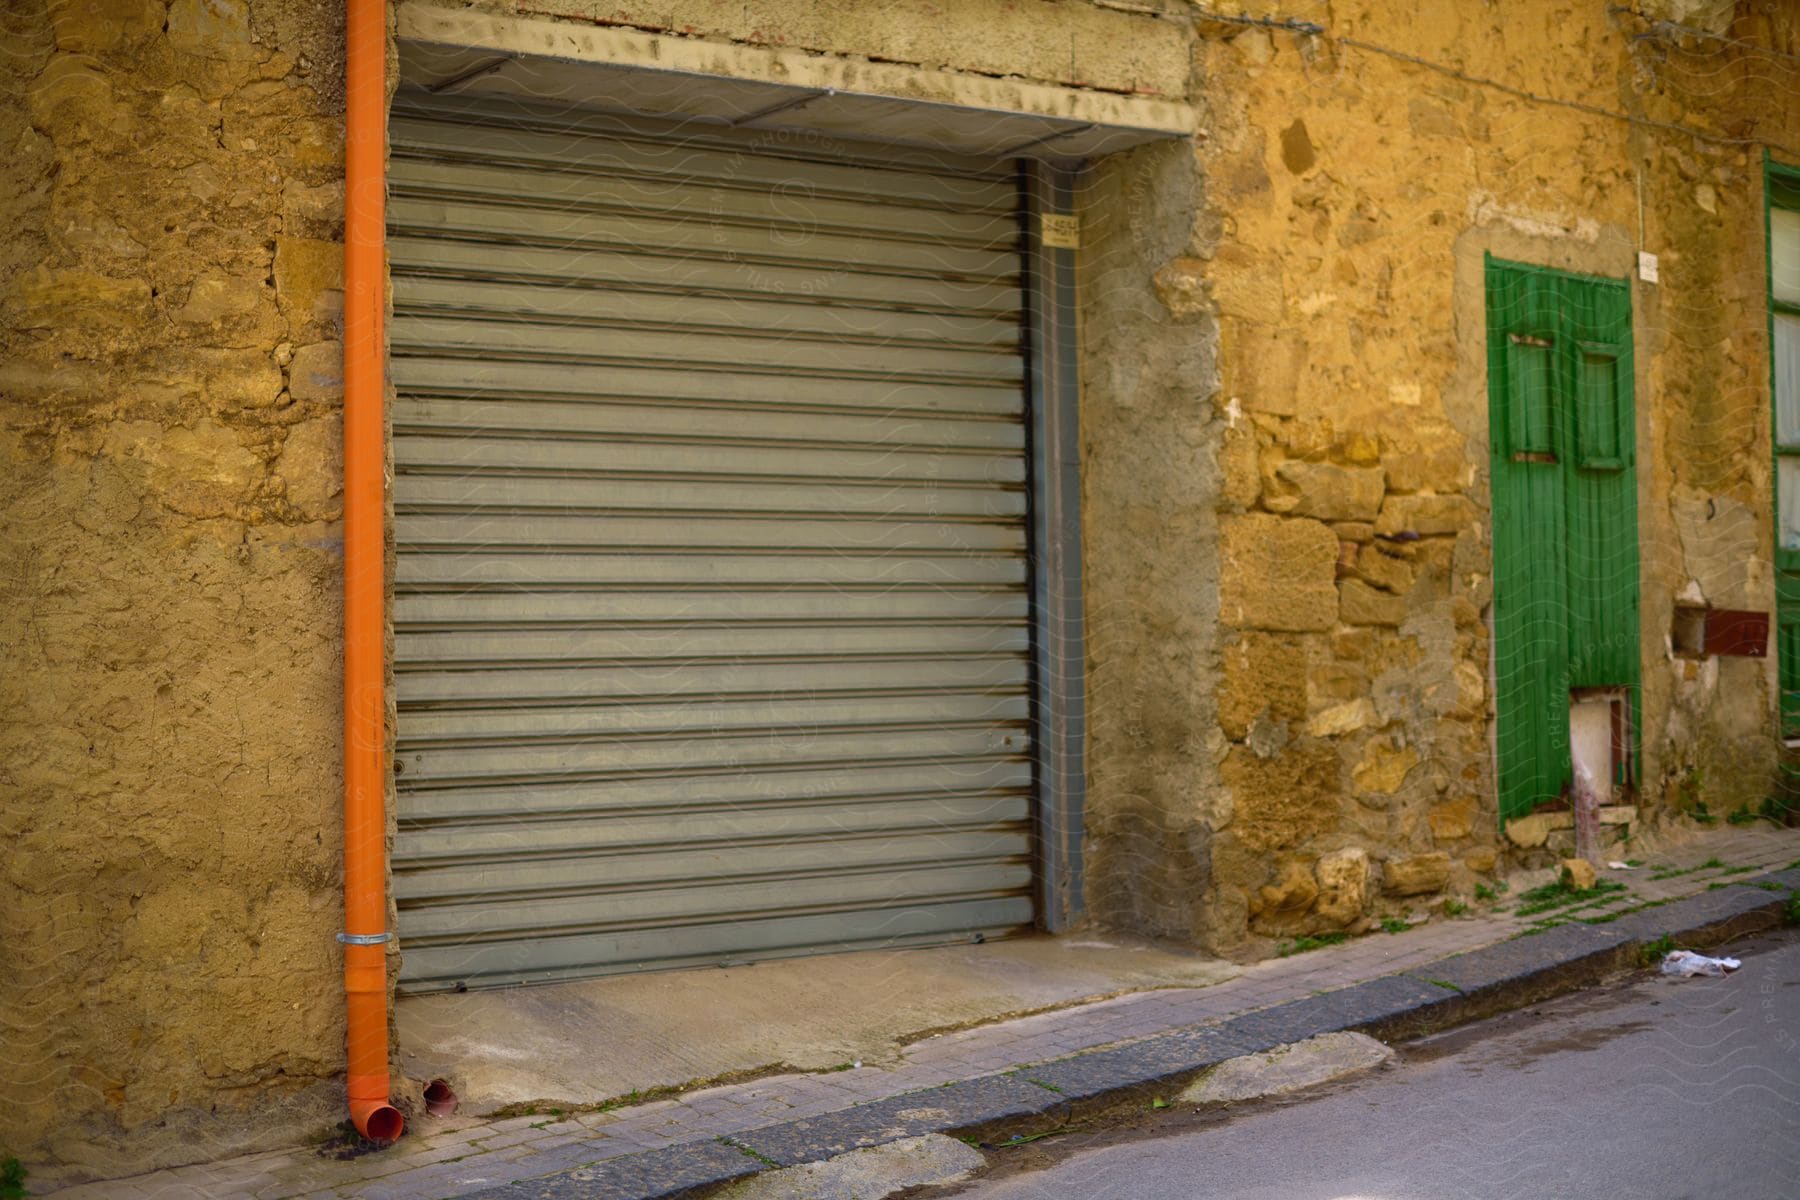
(1357, 192)
(169, 478)
(1285, 479)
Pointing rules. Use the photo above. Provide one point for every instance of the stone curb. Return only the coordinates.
(1046, 1096)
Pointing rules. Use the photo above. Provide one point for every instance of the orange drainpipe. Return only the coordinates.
(365, 933)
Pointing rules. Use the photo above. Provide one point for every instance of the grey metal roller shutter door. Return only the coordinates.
(711, 612)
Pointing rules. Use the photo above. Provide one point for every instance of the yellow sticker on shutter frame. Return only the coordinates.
(1060, 231)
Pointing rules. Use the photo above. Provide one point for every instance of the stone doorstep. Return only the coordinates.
(1610, 814)
(1041, 1097)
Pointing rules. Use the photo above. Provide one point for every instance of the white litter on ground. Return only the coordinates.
(1686, 964)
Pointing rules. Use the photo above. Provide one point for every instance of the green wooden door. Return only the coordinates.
(1565, 513)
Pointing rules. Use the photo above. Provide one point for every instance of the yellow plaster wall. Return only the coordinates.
(169, 781)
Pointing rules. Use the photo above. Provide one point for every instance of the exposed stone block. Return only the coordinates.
(1383, 768)
(311, 463)
(1359, 449)
(1242, 479)
(1471, 689)
(1291, 894)
(1425, 515)
(312, 210)
(49, 299)
(1579, 873)
(236, 379)
(1343, 886)
(1263, 365)
(317, 372)
(1381, 567)
(1528, 831)
(309, 279)
(1360, 604)
(233, 309)
(1181, 286)
(73, 101)
(1335, 681)
(1277, 573)
(1453, 818)
(1340, 719)
(1263, 673)
(1328, 492)
(1426, 456)
(1284, 799)
(1416, 876)
(1246, 286)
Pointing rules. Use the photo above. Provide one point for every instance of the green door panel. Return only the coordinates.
(1565, 513)
(1781, 193)
(1787, 648)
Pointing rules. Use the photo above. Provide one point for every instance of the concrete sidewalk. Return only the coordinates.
(1081, 1059)
(578, 1044)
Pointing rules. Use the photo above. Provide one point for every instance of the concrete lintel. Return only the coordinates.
(1087, 121)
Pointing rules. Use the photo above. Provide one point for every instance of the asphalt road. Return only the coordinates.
(1654, 1088)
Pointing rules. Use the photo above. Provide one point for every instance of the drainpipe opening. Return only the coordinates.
(440, 1101)
(380, 1122)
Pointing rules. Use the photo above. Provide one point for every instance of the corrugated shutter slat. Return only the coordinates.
(712, 632)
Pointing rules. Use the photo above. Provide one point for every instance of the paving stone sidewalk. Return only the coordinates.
(788, 1118)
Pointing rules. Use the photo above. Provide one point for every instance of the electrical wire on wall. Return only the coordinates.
(1311, 29)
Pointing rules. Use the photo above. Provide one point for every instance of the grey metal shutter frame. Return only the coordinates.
(712, 613)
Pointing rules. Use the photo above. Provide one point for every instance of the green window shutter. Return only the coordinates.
(1528, 518)
(1598, 437)
(1531, 391)
(1602, 513)
(1781, 192)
